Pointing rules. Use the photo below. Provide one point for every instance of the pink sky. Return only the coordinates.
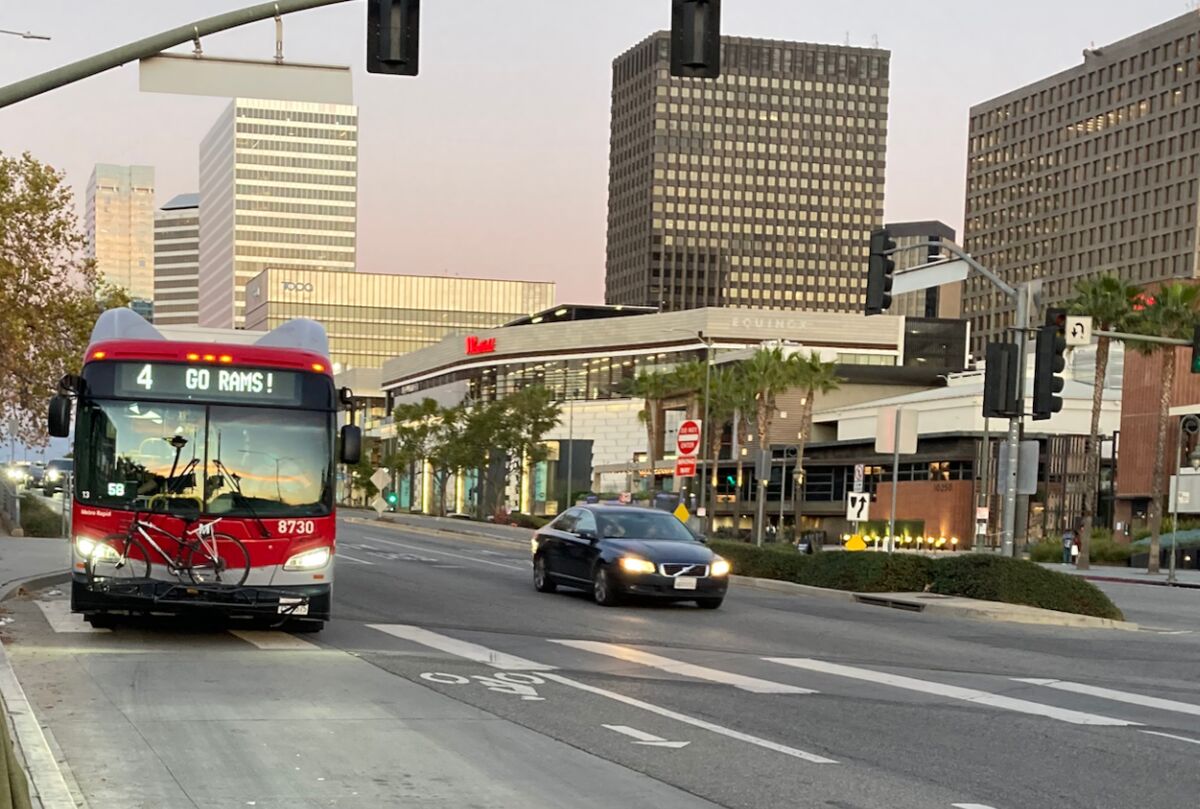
(493, 162)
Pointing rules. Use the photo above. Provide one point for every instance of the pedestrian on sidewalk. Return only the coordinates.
(1068, 545)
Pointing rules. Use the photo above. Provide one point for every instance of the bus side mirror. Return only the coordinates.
(59, 417)
(351, 444)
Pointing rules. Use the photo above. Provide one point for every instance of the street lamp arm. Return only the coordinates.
(150, 46)
(24, 34)
(958, 252)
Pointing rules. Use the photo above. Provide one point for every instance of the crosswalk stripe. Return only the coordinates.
(629, 654)
(1115, 696)
(274, 641)
(461, 648)
(1172, 736)
(61, 619)
(952, 692)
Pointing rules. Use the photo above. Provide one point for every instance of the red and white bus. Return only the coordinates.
(204, 473)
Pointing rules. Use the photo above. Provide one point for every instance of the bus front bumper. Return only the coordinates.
(307, 601)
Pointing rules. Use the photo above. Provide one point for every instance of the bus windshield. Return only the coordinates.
(223, 460)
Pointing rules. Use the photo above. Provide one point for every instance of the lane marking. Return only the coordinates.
(273, 641)
(952, 692)
(1115, 696)
(629, 654)
(971, 806)
(461, 648)
(447, 553)
(691, 720)
(482, 654)
(648, 739)
(1172, 736)
(344, 555)
(58, 614)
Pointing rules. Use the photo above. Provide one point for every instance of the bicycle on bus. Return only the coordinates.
(201, 555)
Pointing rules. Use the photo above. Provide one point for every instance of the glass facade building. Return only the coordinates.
(758, 189)
(120, 226)
(1091, 171)
(278, 186)
(177, 261)
(372, 317)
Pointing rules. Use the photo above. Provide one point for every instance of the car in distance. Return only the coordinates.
(37, 471)
(56, 475)
(618, 551)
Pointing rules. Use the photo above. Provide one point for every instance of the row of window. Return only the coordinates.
(295, 116)
(318, 142)
(308, 181)
(307, 192)
(258, 220)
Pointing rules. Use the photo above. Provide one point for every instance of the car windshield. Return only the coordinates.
(647, 524)
(233, 461)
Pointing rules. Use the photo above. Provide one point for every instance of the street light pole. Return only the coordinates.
(705, 434)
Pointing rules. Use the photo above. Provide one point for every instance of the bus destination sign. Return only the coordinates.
(155, 380)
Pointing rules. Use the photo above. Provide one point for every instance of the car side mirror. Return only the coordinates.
(58, 419)
(585, 533)
(351, 444)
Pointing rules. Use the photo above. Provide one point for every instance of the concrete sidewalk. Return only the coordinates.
(1128, 575)
(24, 559)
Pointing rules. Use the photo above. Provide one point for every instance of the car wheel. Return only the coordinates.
(710, 603)
(541, 580)
(604, 589)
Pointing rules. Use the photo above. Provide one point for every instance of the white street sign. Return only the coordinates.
(1079, 330)
(858, 506)
(379, 504)
(859, 475)
(885, 431)
(381, 478)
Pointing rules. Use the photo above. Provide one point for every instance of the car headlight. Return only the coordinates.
(53, 476)
(720, 567)
(94, 549)
(14, 474)
(309, 560)
(632, 564)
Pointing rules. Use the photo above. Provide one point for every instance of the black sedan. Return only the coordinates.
(614, 551)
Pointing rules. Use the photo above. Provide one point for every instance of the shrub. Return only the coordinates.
(1048, 550)
(526, 520)
(1014, 581)
(38, 519)
(861, 572)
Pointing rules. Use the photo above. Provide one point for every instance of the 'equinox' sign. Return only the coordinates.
(477, 346)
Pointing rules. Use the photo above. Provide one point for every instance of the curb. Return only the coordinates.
(1150, 583)
(438, 533)
(12, 589)
(46, 780)
(983, 611)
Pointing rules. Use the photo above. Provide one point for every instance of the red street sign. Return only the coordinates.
(687, 442)
(685, 468)
(476, 345)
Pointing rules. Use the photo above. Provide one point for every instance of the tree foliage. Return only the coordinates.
(50, 295)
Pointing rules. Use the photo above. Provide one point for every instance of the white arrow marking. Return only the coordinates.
(649, 739)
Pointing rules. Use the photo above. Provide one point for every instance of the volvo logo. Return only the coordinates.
(293, 286)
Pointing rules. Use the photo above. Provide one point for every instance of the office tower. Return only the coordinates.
(757, 189)
(177, 261)
(120, 227)
(278, 190)
(1090, 171)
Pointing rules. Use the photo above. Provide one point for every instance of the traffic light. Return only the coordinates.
(1049, 363)
(391, 497)
(880, 268)
(1000, 381)
(1196, 349)
(731, 480)
(392, 36)
(696, 38)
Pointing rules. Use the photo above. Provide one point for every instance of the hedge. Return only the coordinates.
(38, 519)
(990, 578)
(1100, 550)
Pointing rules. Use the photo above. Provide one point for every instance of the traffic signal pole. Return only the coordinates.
(150, 46)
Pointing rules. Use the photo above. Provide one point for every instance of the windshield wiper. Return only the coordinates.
(237, 487)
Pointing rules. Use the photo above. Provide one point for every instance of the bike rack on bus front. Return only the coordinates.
(165, 593)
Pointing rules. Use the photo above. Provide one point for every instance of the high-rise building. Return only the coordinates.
(1091, 171)
(944, 300)
(756, 189)
(278, 188)
(177, 261)
(120, 227)
(372, 317)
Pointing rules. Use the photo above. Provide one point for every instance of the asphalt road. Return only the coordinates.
(446, 680)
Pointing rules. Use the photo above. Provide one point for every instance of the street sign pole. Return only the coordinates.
(1008, 522)
(891, 537)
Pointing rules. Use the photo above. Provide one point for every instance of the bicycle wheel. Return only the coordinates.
(231, 564)
(118, 558)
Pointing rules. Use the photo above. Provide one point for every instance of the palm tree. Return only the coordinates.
(1172, 312)
(1108, 300)
(652, 388)
(687, 380)
(769, 373)
(728, 398)
(814, 376)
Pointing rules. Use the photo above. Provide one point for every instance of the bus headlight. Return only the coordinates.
(94, 549)
(720, 567)
(309, 560)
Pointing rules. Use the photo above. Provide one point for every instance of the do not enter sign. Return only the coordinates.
(687, 442)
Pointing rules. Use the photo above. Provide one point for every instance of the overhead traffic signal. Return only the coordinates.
(1049, 363)
(696, 38)
(392, 36)
(1000, 381)
(880, 268)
